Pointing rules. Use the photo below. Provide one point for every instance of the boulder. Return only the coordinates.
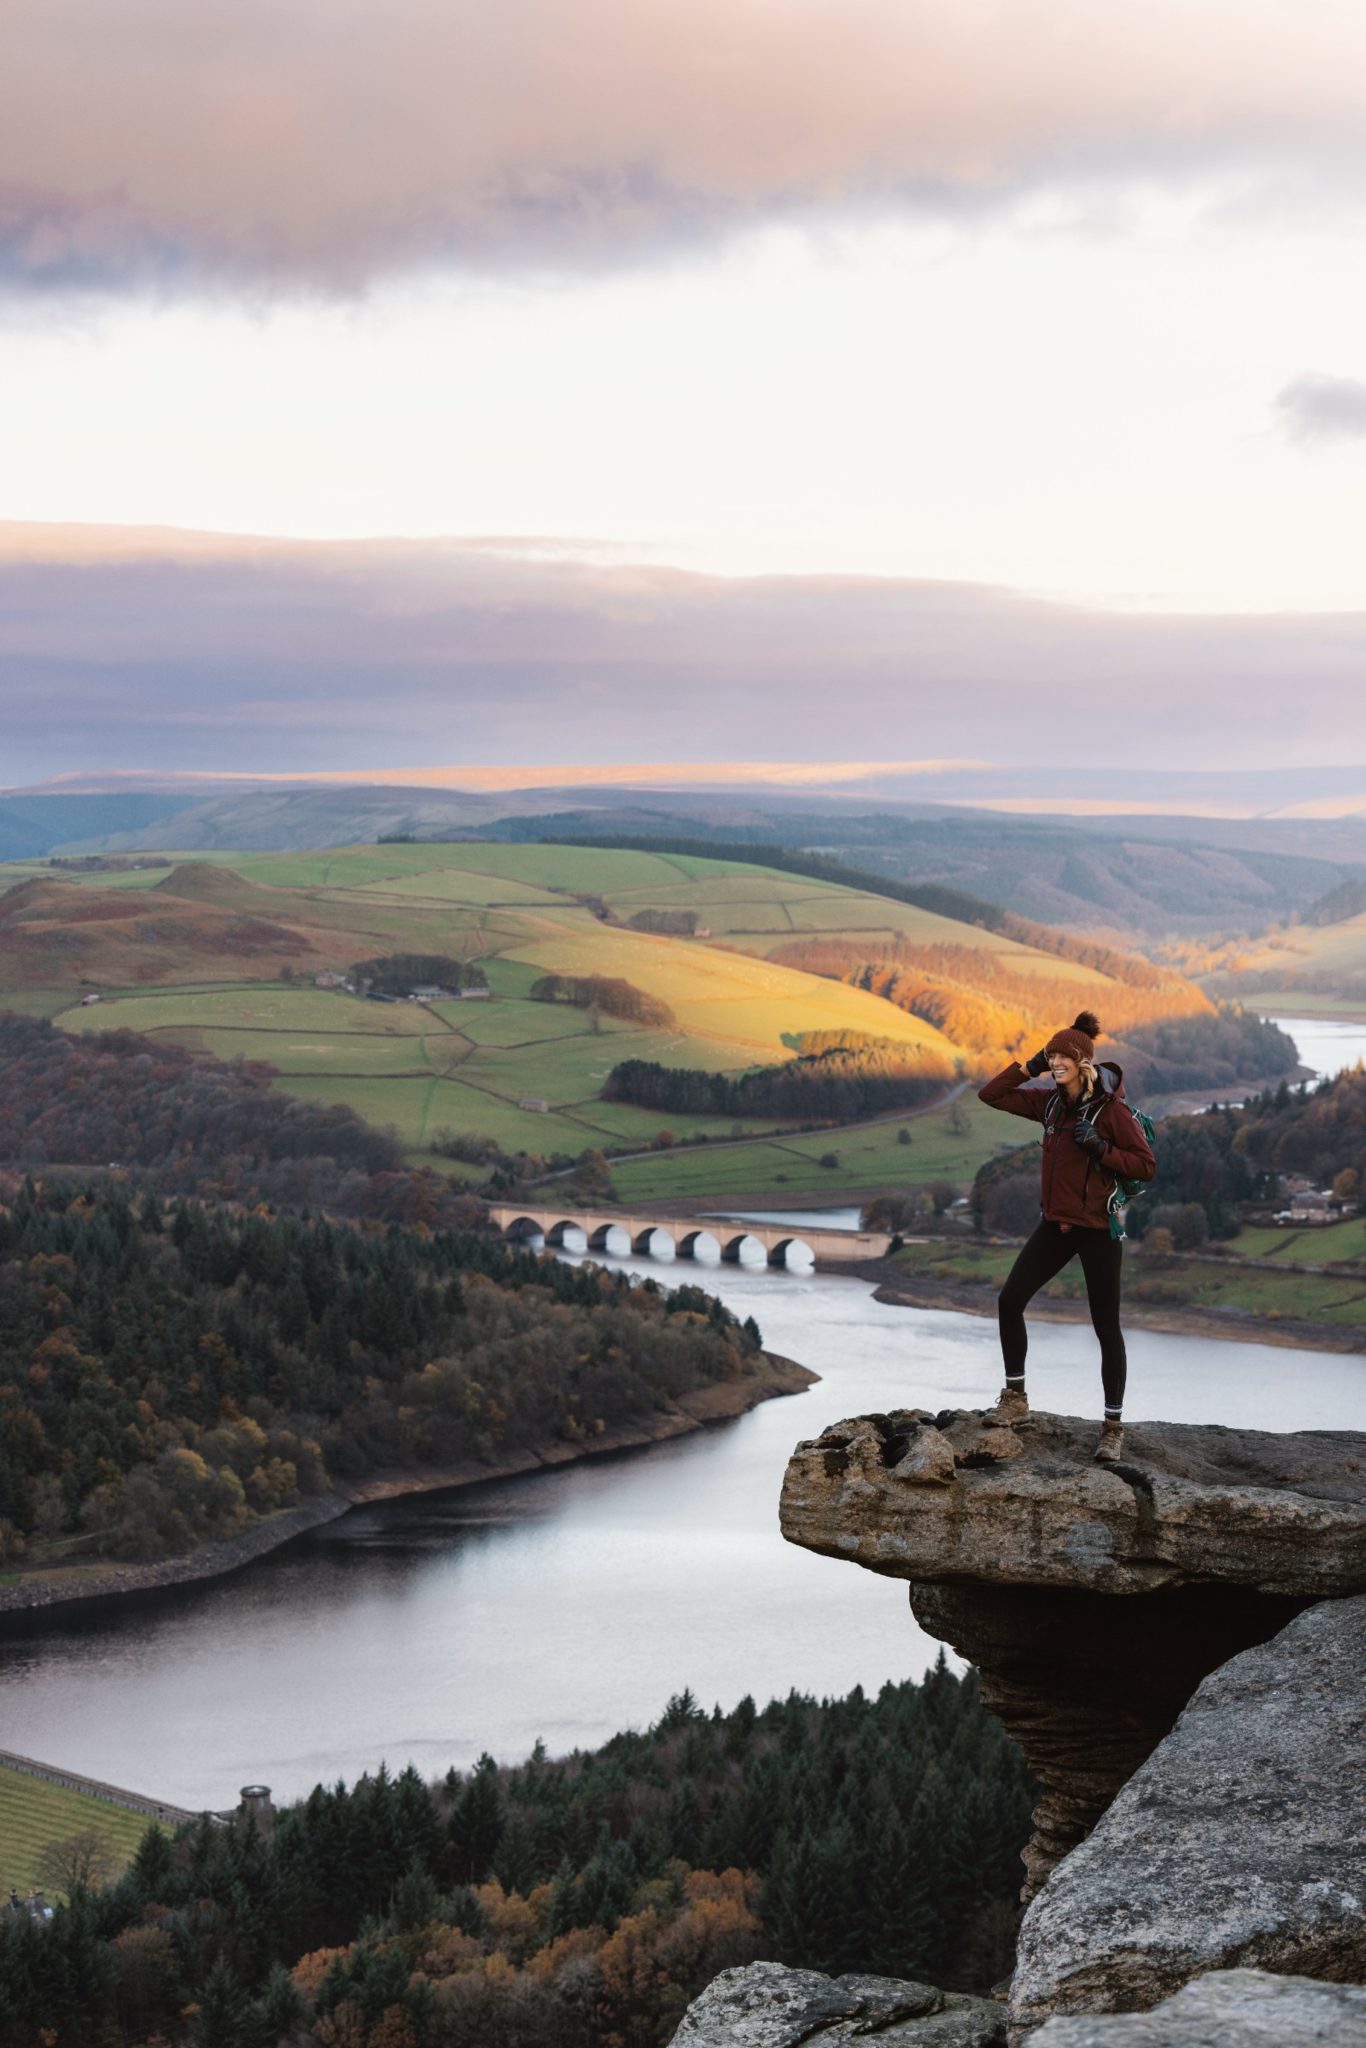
(1093, 1600)
(1228, 2009)
(765, 2005)
(1240, 1842)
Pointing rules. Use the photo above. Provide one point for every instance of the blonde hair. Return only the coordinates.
(1090, 1078)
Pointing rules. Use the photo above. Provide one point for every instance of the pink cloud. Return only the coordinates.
(324, 142)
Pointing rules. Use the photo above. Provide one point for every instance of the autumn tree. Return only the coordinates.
(82, 1861)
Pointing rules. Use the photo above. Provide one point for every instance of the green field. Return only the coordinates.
(36, 1002)
(1338, 1302)
(870, 1156)
(1314, 1244)
(219, 955)
(459, 1066)
(34, 1813)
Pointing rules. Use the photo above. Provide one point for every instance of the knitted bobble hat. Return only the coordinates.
(1079, 1041)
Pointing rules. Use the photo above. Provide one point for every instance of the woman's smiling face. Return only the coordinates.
(1063, 1069)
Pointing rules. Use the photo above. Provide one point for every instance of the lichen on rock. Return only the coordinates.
(1241, 1840)
(1228, 2009)
(766, 2005)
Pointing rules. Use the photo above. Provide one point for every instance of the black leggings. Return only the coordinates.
(1041, 1259)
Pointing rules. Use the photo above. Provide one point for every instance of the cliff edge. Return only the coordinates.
(1177, 1642)
(1093, 1599)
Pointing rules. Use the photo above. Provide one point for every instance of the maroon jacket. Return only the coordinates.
(1076, 1188)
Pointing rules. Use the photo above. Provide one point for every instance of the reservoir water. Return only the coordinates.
(574, 1602)
(1326, 1044)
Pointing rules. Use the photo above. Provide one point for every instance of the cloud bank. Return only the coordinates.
(127, 650)
(324, 143)
(1313, 408)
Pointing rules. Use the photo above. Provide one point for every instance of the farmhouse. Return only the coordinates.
(1311, 1205)
(35, 1907)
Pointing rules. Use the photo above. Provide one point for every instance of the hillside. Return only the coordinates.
(1310, 965)
(1120, 879)
(212, 1369)
(36, 1816)
(1132, 880)
(220, 955)
(580, 1900)
(33, 823)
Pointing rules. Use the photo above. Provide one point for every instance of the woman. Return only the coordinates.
(1090, 1140)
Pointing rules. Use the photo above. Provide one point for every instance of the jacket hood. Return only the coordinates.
(1111, 1078)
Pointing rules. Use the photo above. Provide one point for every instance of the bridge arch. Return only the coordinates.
(734, 1248)
(699, 1244)
(520, 1228)
(654, 1242)
(563, 1229)
(613, 1238)
(781, 1253)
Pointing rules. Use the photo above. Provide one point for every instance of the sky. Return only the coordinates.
(622, 379)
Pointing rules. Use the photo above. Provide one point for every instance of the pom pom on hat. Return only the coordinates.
(1079, 1041)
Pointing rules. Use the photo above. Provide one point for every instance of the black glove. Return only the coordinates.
(1037, 1065)
(1088, 1137)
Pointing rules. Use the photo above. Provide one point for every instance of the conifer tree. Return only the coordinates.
(223, 2017)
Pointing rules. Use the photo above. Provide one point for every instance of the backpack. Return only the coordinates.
(1124, 1191)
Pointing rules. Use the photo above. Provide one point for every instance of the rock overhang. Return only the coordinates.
(1093, 1600)
(931, 1497)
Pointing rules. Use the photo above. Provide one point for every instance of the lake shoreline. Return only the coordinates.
(47, 1589)
(892, 1287)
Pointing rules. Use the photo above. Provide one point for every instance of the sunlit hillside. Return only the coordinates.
(1299, 966)
(221, 954)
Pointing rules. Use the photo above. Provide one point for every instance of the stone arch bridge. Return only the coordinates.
(687, 1237)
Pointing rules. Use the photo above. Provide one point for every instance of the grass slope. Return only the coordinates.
(34, 1813)
(1335, 1301)
(869, 1156)
(197, 951)
(220, 953)
(1309, 967)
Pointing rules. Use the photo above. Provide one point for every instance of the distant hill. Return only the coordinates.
(1134, 880)
(1326, 961)
(1347, 900)
(295, 820)
(1104, 879)
(31, 826)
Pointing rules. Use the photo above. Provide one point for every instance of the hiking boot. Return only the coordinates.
(1110, 1449)
(1012, 1406)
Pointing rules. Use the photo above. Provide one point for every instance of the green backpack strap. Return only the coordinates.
(1125, 1191)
